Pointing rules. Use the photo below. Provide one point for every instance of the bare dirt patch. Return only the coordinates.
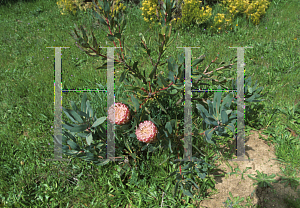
(263, 157)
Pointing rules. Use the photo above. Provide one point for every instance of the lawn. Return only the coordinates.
(27, 102)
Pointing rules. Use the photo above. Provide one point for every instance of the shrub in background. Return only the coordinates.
(68, 6)
(73, 5)
(189, 12)
(253, 9)
(186, 12)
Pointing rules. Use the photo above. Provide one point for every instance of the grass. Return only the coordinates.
(26, 117)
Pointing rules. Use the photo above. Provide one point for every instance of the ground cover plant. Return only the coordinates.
(27, 109)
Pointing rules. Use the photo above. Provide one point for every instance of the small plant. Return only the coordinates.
(263, 180)
(234, 202)
(148, 108)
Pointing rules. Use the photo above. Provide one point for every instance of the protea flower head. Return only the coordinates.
(122, 113)
(146, 132)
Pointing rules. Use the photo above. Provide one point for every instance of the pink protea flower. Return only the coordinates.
(146, 132)
(122, 113)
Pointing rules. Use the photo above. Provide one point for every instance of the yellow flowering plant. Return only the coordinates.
(186, 12)
(253, 10)
(73, 5)
(67, 6)
(189, 12)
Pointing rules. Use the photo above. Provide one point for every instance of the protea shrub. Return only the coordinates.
(122, 114)
(146, 132)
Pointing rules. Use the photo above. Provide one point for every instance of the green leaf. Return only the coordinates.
(144, 147)
(123, 25)
(89, 139)
(66, 111)
(73, 145)
(170, 63)
(111, 37)
(91, 113)
(128, 147)
(132, 88)
(227, 102)
(68, 127)
(117, 35)
(135, 103)
(106, 7)
(197, 61)
(102, 21)
(136, 69)
(163, 32)
(84, 34)
(99, 121)
(208, 134)
(75, 31)
(171, 76)
(111, 21)
(211, 121)
(224, 117)
(187, 193)
(152, 73)
(188, 179)
(74, 106)
(83, 114)
(170, 146)
(69, 135)
(158, 121)
(137, 81)
(178, 86)
(83, 43)
(220, 72)
(160, 49)
(143, 39)
(230, 127)
(83, 135)
(163, 80)
(159, 82)
(180, 58)
(217, 101)
(202, 110)
(170, 41)
(149, 51)
(83, 103)
(76, 116)
(134, 156)
(169, 127)
(88, 107)
(103, 163)
(210, 107)
(79, 128)
(95, 44)
(173, 92)
(104, 66)
(122, 77)
(161, 107)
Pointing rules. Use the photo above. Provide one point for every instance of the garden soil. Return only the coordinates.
(263, 157)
